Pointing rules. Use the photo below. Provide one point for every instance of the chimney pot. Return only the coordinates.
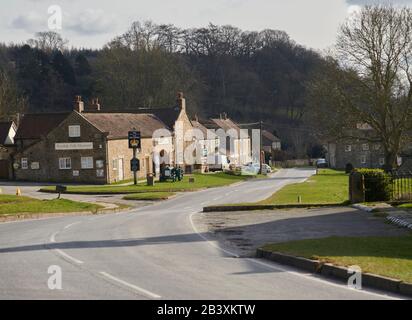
(78, 104)
(181, 101)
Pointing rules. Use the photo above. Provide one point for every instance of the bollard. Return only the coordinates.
(18, 192)
(299, 199)
(1, 191)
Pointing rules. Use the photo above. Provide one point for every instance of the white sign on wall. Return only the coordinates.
(35, 165)
(74, 146)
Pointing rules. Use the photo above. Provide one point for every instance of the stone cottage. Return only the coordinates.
(84, 146)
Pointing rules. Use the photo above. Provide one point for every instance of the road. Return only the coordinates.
(153, 252)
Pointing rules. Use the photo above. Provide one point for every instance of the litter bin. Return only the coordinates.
(150, 179)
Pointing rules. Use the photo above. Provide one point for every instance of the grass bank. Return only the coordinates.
(385, 256)
(10, 205)
(202, 181)
(327, 187)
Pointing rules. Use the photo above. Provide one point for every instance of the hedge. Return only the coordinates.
(378, 184)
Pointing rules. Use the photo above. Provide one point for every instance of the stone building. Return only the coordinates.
(7, 134)
(360, 153)
(233, 142)
(84, 146)
(271, 144)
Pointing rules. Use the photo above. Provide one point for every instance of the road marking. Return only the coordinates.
(71, 225)
(208, 241)
(65, 255)
(132, 286)
(314, 278)
(53, 237)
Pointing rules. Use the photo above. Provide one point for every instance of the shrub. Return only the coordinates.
(378, 184)
(349, 168)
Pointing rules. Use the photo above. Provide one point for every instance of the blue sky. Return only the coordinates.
(92, 23)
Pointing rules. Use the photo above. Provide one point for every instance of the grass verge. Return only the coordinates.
(149, 196)
(327, 187)
(385, 256)
(201, 181)
(10, 205)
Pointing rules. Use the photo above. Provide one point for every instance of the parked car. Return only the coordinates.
(266, 169)
(321, 163)
(251, 169)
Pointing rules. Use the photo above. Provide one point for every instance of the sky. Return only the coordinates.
(92, 23)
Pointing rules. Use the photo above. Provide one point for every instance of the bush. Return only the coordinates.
(378, 185)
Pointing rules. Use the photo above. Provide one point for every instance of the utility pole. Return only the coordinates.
(261, 147)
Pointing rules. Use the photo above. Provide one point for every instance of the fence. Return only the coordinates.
(393, 186)
(401, 186)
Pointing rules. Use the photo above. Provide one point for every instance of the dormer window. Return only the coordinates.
(74, 131)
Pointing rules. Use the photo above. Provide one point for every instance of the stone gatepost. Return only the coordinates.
(356, 187)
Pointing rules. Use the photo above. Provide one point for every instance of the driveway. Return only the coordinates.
(155, 252)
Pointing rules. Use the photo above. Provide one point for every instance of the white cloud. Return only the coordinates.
(30, 22)
(90, 21)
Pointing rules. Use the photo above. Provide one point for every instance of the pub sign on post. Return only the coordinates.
(134, 139)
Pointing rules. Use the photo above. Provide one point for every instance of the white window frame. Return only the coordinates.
(67, 161)
(115, 164)
(348, 148)
(365, 147)
(87, 162)
(381, 161)
(363, 160)
(74, 131)
(25, 163)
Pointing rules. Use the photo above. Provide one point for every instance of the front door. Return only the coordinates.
(121, 169)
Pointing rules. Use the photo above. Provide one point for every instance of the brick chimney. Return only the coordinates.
(181, 101)
(95, 105)
(78, 104)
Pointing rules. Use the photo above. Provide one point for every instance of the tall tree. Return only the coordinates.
(370, 82)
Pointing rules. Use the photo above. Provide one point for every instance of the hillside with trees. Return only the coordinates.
(251, 76)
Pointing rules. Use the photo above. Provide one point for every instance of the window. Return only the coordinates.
(115, 164)
(99, 164)
(348, 148)
(24, 163)
(363, 159)
(65, 163)
(87, 162)
(381, 161)
(365, 147)
(74, 131)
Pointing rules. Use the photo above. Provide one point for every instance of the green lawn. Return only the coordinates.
(386, 256)
(18, 205)
(201, 181)
(149, 196)
(406, 206)
(328, 187)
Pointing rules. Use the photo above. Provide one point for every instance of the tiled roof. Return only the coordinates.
(168, 116)
(117, 125)
(207, 134)
(226, 124)
(35, 125)
(4, 131)
(269, 136)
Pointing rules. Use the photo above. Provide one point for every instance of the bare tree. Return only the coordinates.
(371, 80)
(48, 41)
(11, 102)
